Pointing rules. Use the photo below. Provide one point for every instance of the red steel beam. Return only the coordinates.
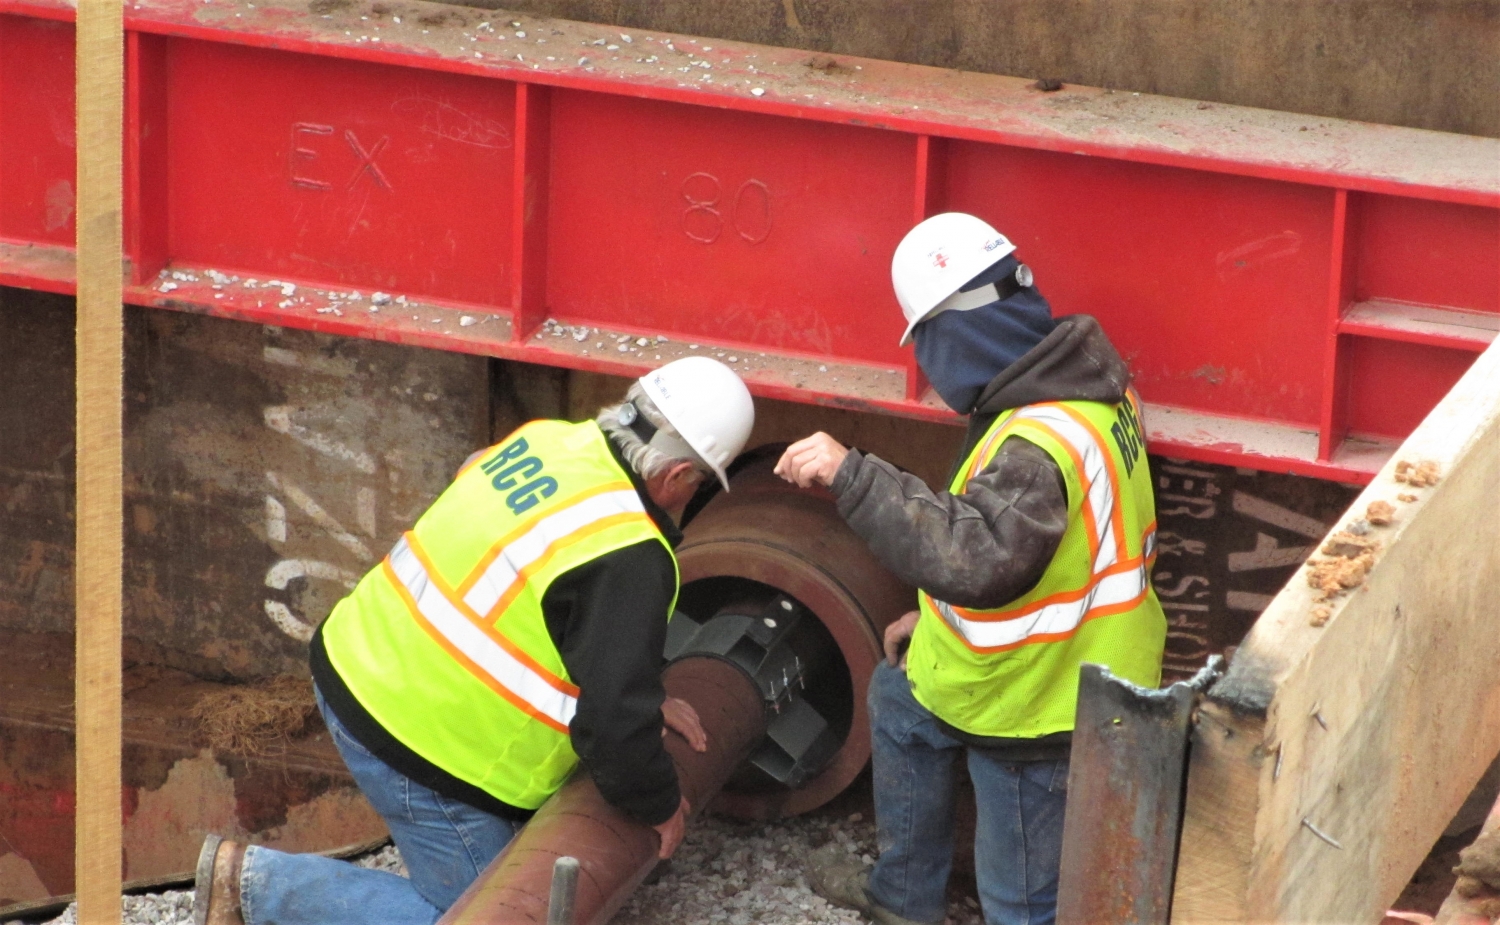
(1293, 292)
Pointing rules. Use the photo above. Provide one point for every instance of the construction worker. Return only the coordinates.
(515, 631)
(1036, 559)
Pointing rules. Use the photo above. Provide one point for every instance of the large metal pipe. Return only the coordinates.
(774, 535)
(614, 852)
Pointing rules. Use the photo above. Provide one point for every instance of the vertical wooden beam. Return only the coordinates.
(100, 101)
(1341, 741)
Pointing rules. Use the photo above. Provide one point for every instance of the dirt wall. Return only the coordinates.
(1431, 64)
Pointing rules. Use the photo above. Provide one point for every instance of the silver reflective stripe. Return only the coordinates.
(1101, 493)
(1064, 617)
(506, 670)
(531, 545)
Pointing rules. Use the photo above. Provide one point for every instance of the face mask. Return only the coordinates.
(962, 351)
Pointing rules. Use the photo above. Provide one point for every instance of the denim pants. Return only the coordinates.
(1018, 840)
(444, 843)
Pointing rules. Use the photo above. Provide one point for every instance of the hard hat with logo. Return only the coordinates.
(709, 406)
(937, 257)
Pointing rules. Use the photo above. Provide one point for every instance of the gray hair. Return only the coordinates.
(666, 449)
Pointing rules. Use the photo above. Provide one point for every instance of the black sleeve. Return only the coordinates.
(608, 619)
(982, 548)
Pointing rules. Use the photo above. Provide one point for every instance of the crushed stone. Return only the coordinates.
(725, 873)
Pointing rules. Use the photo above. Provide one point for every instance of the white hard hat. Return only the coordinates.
(937, 257)
(708, 405)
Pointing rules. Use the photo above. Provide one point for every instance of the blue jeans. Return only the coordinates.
(1018, 841)
(444, 843)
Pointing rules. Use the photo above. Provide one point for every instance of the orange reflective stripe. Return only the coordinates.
(458, 656)
(1085, 506)
(1096, 613)
(552, 550)
(465, 586)
(485, 626)
(1117, 513)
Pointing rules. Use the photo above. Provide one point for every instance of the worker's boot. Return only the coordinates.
(840, 877)
(217, 901)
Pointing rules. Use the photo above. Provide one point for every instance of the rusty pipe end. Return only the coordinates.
(615, 852)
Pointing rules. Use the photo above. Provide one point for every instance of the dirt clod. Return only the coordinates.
(255, 719)
(1406, 497)
(1319, 616)
(1380, 513)
(1351, 558)
(1417, 475)
(1048, 85)
(328, 6)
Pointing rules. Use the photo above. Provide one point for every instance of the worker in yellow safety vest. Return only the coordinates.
(1035, 559)
(515, 631)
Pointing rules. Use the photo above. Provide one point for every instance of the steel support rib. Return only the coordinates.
(1255, 266)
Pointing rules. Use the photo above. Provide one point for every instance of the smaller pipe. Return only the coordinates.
(615, 853)
(564, 891)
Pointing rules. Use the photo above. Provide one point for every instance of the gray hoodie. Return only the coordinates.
(990, 544)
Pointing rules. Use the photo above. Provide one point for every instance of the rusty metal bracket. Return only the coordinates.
(1125, 797)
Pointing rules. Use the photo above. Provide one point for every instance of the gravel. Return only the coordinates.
(725, 873)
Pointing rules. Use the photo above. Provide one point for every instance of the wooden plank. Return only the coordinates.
(1329, 759)
(100, 76)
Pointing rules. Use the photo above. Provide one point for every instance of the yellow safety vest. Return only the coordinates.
(1013, 671)
(445, 644)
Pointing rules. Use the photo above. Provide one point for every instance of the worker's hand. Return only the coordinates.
(673, 829)
(682, 719)
(812, 461)
(896, 634)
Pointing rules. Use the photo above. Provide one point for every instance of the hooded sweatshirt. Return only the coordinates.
(990, 544)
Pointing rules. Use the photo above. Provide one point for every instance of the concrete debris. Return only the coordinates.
(1380, 513)
(464, 321)
(380, 298)
(757, 91)
(1417, 475)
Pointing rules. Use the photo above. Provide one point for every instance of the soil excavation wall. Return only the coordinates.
(1423, 63)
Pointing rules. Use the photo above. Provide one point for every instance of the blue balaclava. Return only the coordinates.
(961, 351)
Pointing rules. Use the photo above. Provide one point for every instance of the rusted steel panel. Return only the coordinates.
(1125, 789)
(297, 796)
(266, 469)
(614, 852)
